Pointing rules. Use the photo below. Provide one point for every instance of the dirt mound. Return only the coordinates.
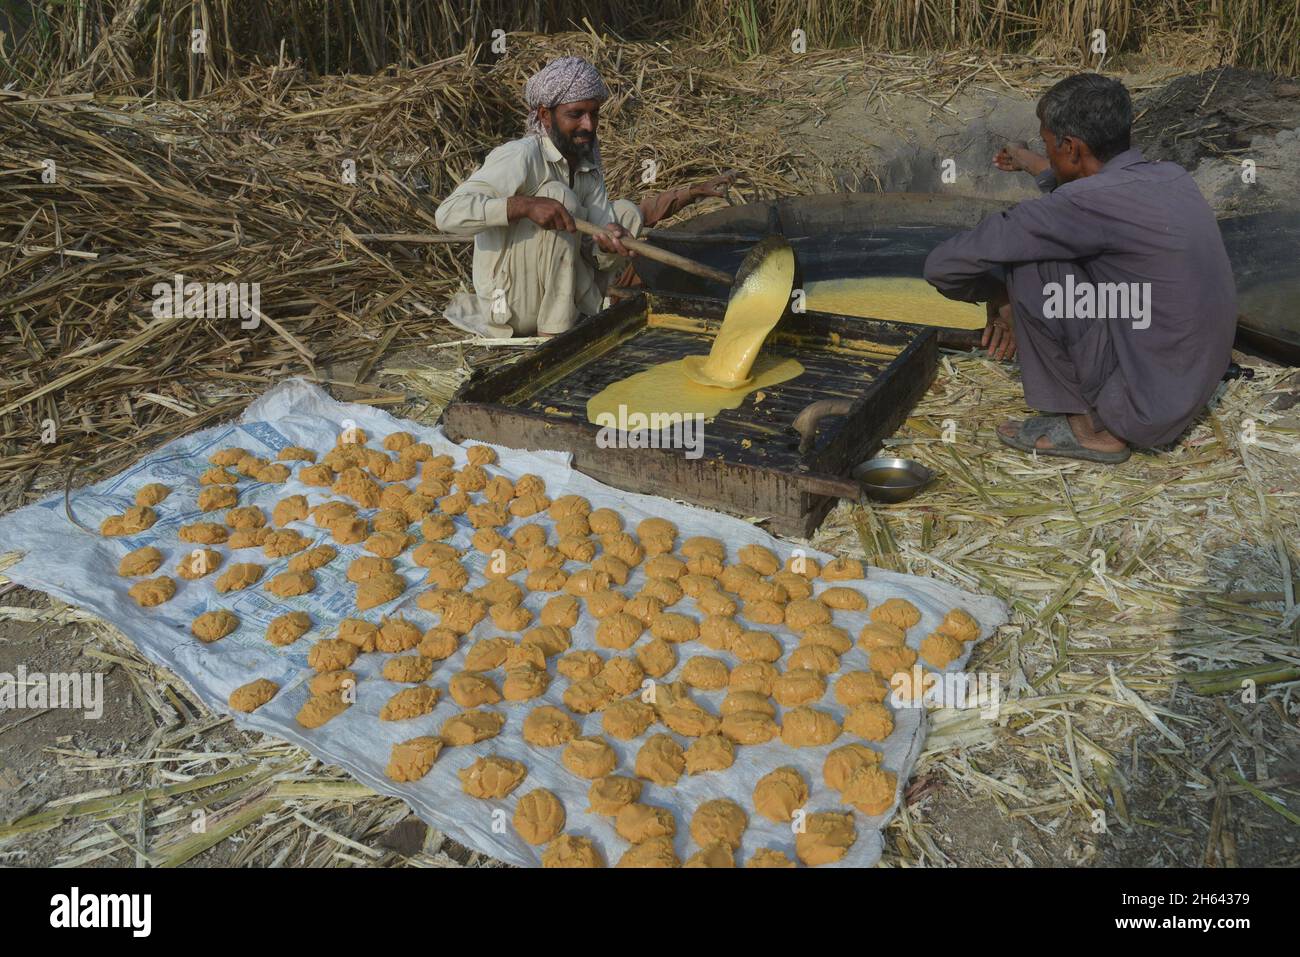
(1212, 113)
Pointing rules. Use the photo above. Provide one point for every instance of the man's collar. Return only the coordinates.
(553, 155)
(1130, 157)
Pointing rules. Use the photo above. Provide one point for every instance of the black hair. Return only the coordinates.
(1092, 108)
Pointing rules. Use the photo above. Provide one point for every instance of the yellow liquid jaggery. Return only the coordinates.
(666, 389)
(894, 299)
(754, 309)
(733, 368)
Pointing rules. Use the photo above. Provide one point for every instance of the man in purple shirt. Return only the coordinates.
(1114, 288)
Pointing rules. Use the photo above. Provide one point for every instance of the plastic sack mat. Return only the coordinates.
(81, 569)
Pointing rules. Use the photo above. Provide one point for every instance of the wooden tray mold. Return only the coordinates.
(751, 465)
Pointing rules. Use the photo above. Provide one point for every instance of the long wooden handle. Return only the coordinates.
(661, 255)
(805, 422)
(645, 249)
(835, 486)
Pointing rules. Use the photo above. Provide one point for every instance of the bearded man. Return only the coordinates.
(533, 273)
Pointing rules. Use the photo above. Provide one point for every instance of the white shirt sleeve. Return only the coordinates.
(480, 201)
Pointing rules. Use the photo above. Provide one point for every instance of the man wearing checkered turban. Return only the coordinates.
(533, 273)
(569, 79)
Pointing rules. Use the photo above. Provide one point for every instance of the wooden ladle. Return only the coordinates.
(651, 251)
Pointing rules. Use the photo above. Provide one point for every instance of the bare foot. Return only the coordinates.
(1088, 436)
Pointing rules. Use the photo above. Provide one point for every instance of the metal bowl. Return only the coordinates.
(891, 479)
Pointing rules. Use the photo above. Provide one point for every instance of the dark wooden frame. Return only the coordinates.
(792, 501)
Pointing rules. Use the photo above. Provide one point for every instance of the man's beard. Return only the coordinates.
(570, 148)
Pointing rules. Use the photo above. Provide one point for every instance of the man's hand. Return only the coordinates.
(1018, 156)
(714, 187)
(545, 212)
(611, 241)
(659, 206)
(999, 334)
(1005, 159)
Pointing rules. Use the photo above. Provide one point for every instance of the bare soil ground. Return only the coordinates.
(1208, 122)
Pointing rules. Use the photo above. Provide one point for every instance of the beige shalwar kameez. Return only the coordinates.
(529, 280)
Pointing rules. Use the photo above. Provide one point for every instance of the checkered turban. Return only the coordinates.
(566, 80)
